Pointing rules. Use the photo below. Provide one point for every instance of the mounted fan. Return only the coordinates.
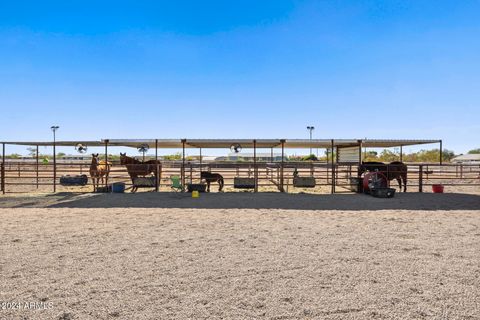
(143, 149)
(81, 148)
(236, 148)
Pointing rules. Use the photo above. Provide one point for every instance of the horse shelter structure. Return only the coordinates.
(284, 175)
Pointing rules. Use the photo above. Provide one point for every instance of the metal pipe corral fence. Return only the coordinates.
(31, 176)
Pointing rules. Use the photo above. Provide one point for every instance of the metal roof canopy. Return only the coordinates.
(227, 143)
(57, 143)
(266, 143)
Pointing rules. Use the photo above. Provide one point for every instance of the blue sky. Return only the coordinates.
(241, 69)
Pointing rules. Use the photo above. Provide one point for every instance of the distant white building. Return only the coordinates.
(467, 159)
(209, 158)
(249, 156)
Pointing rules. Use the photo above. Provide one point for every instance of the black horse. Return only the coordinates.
(212, 177)
(394, 170)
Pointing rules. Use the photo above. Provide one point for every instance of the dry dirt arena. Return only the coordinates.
(240, 256)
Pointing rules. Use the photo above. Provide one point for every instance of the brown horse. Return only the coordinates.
(136, 168)
(394, 170)
(98, 170)
(212, 177)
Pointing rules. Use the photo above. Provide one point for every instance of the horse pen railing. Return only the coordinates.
(453, 175)
(27, 176)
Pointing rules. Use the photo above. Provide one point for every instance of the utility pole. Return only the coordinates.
(310, 129)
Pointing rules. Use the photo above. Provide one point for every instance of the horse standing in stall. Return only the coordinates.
(136, 168)
(212, 177)
(99, 169)
(394, 170)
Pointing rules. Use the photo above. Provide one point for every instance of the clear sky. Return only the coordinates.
(241, 69)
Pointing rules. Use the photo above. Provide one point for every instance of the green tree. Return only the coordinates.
(294, 158)
(474, 151)
(32, 152)
(371, 156)
(429, 156)
(113, 157)
(327, 156)
(447, 155)
(388, 156)
(171, 157)
(310, 157)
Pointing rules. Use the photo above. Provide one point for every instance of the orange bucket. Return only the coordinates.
(437, 188)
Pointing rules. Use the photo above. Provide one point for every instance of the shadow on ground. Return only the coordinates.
(247, 200)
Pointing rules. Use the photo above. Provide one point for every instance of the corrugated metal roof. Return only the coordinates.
(250, 154)
(388, 143)
(226, 143)
(269, 143)
(467, 157)
(57, 143)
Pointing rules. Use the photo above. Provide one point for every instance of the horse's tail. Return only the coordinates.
(221, 183)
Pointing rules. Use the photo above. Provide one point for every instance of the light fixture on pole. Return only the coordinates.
(310, 128)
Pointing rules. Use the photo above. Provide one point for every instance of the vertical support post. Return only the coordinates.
(36, 163)
(441, 152)
(255, 169)
(107, 167)
(281, 165)
(183, 162)
(54, 165)
(200, 159)
(364, 149)
(420, 178)
(3, 169)
(388, 175)
(359, 158)
(333, 166)
(401, 153)
(157, 168)
(328, 164)
(271, 154)
(360, 151)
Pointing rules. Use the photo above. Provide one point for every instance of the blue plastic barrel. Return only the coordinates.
(118, 187)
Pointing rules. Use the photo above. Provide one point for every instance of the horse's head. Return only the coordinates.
(94, 158)
(123, 158)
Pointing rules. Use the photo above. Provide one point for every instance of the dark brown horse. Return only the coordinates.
(394, 170)
(136, 168)
(212, 177)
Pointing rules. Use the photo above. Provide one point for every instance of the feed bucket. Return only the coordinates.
(118, 187)
(437, 188)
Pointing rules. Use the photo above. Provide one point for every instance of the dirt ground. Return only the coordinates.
(240, 256)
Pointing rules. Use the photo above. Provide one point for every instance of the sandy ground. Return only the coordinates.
(297, 256)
